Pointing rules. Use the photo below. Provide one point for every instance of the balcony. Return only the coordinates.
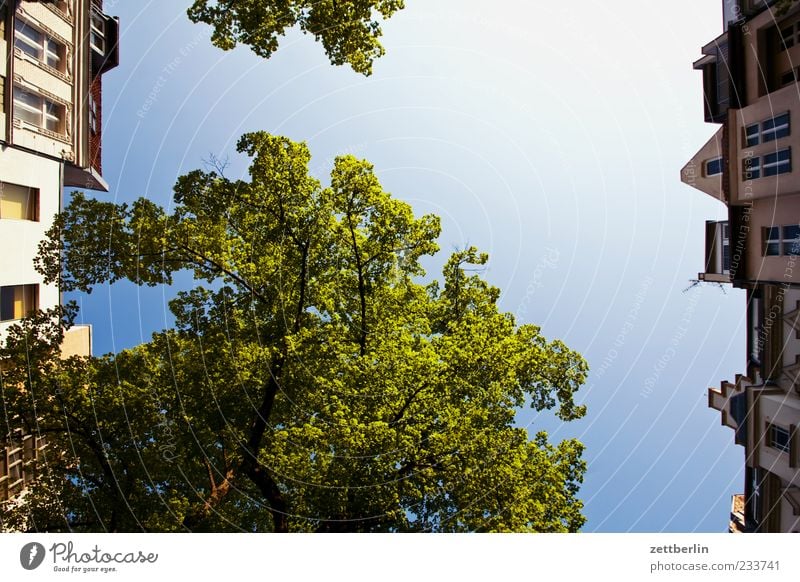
(718, 252)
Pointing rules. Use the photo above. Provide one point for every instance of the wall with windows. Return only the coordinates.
(771, 53)
(765, 145)
(791, 331)
(30, 194)
(772, 250)
(774, 437)
(43, 80)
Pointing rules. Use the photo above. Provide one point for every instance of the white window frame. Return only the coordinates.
(751, 168)
(44, 54)
(768, 134)
(94, 121)
(97, 30)
(776, 235)
(772, 441)
(43, 111)
(781, 166)
(755, 135)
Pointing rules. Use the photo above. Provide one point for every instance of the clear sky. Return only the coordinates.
(549, 134)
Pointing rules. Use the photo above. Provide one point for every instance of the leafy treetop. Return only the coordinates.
(348, 29)
(310, 383)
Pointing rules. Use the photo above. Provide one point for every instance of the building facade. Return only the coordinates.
(751, 165)
(54, 54)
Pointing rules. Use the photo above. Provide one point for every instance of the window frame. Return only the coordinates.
(787, 41)
(45, 55)
(97, 30)
(30, 301)
(31, 206)
(772, 241)
(776, 242)
(709, 162)
(752, 138)
(94, 119)
(781, 165)
(770, 128)
(751, 168)
(44, 110)
(793, 39)
(773, 430)
(788, 243)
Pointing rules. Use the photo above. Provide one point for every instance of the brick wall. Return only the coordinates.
(95, 145)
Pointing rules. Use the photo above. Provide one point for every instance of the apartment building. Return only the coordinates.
(751, 166)
(55, 53)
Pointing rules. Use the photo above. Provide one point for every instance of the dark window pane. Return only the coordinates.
(752, 168)
(776, 127)
(787, 35)
(714, 167)
(778, 162)
(791, 240)
(779, 438)
(751, 133)
(6, 303)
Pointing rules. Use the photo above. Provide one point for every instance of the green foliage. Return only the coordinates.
(310, 383)
(348, 29)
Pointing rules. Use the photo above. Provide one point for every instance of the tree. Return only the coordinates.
(348, 29)
(311, 381)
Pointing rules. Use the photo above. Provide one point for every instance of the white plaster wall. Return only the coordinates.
(19, 239)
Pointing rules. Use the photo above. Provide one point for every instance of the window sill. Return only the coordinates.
(20, 124)
(44, 66)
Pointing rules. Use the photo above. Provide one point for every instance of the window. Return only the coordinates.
(782, 240)
(791, 240)
(779, 162)
(97, 38)
(752, 168)
(94, 119)
(778, 438)
(775, 128)
(18, 202)
(751, 133)
(789, 35)
(16, 301)
(38, 45)
(714, 166)
(769, 130)
(726, 248)
(772, 241)
(37, 110)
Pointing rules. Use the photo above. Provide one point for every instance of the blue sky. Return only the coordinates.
(550, 136)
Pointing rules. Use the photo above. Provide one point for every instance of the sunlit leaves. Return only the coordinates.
(311, 382)
(348, 29)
